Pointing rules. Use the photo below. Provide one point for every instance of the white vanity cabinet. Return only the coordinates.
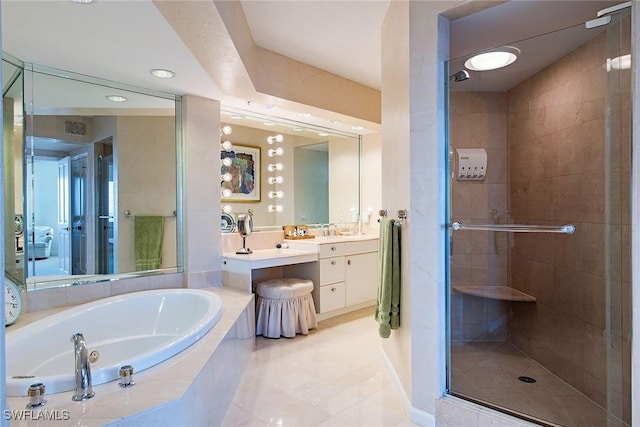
(346, 277)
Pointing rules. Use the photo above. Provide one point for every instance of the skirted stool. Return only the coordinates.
(285, 307)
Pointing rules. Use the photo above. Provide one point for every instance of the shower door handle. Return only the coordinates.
(515, 228)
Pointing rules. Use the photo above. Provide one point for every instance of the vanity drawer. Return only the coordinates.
(332, 297)
(331, 270)
(331, 249)
(361, 247)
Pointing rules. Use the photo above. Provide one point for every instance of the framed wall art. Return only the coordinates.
(245, 173)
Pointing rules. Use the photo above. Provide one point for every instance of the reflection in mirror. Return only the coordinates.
(320, 172)
(100, 181)
(12, 81)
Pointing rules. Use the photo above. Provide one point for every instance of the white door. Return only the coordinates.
(64, 211)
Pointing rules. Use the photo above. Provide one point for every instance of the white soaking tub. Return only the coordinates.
(140, 329)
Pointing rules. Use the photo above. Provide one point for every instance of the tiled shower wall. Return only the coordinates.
(556, 132)
(478, 120)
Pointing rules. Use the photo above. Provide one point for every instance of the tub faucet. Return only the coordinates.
(84, 390)
(335, 229)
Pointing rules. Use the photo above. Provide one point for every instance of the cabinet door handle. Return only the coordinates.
(333, 248)
(333, 289)
(349, 262)
(333, 263)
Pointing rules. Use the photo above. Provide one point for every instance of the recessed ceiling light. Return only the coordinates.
(335, 122)
(323, 134)
(493, 59)
(237, 116)
(357, 127)
(268, 123)
(269, 107)
(304, 114)
(116, 98)
(298, 129)
(162, 74)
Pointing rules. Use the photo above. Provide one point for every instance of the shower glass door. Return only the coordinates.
(539, 248)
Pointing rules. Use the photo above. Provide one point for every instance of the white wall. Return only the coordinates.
(146, 176)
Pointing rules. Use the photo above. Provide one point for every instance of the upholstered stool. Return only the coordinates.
(285, 307)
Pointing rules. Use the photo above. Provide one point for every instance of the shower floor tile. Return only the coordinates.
(489, 372)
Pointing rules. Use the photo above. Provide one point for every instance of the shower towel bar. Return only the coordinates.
(517, 228)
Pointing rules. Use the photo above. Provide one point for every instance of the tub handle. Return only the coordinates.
(126, 376)
(36, 395)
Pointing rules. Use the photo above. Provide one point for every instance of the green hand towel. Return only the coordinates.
(388, 304)
(149, 231)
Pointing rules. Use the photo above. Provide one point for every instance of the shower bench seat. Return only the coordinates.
(504, 293)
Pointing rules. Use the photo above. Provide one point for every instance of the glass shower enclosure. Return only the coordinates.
(539, 241)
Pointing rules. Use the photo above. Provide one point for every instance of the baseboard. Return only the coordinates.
(416, 415)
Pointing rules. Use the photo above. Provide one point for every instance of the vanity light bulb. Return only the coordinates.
(277, 152)
(275, 138)
(227, 130)
(227, 192)
(226, 209)
(227, 161)
(227, 177)
(226, 145)
(276, 194)
(276, 180)
(275, 208)
(275, 167)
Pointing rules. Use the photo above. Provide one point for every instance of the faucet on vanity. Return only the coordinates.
(326, 229)
(84, 390)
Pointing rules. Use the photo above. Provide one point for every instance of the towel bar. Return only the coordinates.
(128, 214)
(402, 215)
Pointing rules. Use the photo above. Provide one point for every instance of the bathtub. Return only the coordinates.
(140, 329)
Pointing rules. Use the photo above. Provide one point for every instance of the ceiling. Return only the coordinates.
(122, 40)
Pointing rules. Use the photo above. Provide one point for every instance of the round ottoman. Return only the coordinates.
(285, 308)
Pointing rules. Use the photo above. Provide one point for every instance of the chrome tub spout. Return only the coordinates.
(84, 390)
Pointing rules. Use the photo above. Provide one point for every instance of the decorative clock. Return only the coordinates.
(12, 303)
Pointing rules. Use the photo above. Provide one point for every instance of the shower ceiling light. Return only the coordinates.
(619, 63)
(493, 59)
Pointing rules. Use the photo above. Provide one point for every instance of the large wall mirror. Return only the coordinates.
(91, 178)
(314, 179)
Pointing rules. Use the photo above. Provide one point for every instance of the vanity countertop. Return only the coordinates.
(270, 257)
(334, 239)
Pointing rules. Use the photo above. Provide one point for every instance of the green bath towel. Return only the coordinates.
(388, 305)
(149, 231)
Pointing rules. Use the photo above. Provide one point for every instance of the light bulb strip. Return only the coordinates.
(274, 168)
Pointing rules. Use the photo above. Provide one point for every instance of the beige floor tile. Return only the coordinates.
(333, 377)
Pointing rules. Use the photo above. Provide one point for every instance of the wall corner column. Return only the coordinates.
(201, 194)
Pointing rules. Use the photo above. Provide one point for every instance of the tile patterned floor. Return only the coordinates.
(333, 377)
(490, 371)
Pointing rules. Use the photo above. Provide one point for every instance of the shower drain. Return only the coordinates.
(527, 379)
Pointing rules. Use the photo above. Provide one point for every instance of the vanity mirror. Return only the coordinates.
(319, 170)
(92, 169)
